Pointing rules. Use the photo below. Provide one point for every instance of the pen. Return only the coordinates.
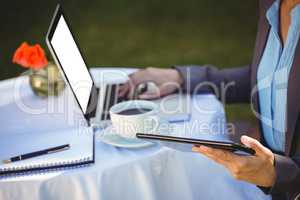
(37, 153)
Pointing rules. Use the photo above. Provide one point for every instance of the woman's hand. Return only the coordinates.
(258, 169)
(166, 80)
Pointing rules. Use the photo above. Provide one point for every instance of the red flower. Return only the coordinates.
(30, 56)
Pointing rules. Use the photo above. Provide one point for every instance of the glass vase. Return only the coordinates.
(46, 81)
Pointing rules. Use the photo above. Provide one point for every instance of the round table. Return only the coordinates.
(148, 173)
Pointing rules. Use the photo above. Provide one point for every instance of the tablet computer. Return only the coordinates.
(229, 146)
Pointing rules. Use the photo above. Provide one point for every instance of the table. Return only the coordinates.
(148, 173)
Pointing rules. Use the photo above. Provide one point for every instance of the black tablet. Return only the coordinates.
(230, 146)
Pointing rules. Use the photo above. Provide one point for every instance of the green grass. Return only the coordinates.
(141, 33)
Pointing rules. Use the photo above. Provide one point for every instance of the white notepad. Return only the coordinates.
(81, 150)
(175, 107)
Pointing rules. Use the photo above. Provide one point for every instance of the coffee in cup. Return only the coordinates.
(136, 116)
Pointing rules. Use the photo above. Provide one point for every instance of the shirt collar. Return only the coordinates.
(295, 14)
(273, 15)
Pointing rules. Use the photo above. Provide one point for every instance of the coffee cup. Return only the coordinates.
(136, 116)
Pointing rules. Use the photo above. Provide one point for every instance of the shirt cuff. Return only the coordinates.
(194, 78)
(286, 171)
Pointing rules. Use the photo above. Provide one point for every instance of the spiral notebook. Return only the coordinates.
(81, 152)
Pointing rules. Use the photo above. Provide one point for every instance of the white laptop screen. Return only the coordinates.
(72, 63)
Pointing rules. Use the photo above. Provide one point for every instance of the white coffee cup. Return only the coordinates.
(128, 125)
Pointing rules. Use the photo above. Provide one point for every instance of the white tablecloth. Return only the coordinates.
(148, 173)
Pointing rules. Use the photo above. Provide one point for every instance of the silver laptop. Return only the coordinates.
(93, 101)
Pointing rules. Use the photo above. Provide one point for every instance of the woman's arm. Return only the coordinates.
(287, 175)
(231, 85)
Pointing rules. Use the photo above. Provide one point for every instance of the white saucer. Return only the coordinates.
(109, 136)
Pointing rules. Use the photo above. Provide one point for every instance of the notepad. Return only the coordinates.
(81, 152)
(175, 107)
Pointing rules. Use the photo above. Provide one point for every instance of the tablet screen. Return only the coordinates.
(72, 63)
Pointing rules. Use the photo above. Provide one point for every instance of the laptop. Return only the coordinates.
(94, 102)
(68, 57)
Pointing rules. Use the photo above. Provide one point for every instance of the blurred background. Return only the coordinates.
(140, 33)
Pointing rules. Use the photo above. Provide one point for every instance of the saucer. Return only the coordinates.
(109, 136)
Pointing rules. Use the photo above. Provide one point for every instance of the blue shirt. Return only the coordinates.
(272, 77)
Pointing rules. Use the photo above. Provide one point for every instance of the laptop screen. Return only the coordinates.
(72, 63)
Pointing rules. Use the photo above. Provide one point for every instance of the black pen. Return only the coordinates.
(38, 153)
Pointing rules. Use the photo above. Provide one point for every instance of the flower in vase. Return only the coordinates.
(32, 57)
